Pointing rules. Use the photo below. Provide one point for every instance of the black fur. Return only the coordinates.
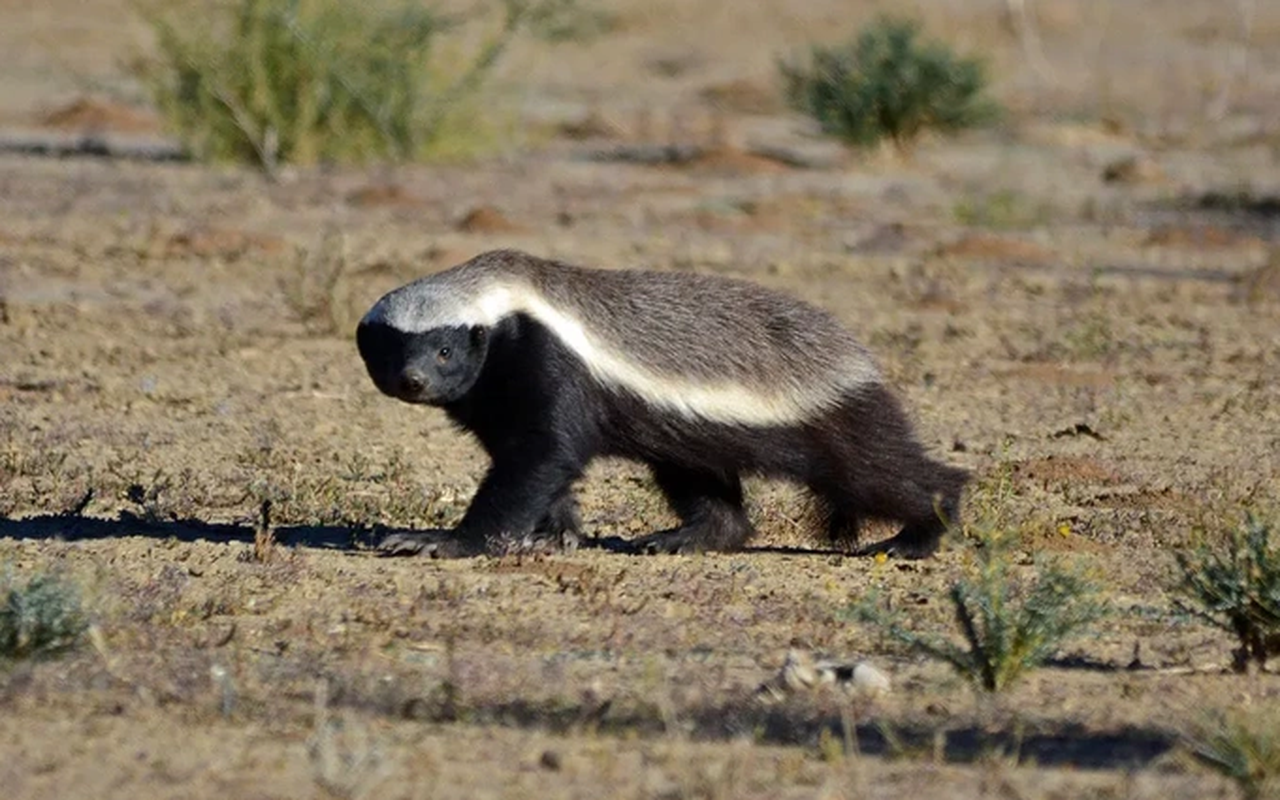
(542, 419)
(437, 367)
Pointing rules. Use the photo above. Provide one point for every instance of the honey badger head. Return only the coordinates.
(435, 367)
(426, 342)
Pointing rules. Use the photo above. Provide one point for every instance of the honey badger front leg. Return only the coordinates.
(523, 498)
(710, 508)
(524, 503)
(562, 519)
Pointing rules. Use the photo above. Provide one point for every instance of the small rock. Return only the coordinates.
(800, 672)
(869, 680)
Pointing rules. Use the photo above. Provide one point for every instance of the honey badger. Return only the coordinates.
(702, 378)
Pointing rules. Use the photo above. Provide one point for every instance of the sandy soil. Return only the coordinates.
(1082, 306)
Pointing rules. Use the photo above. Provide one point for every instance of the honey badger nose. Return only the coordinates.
(413, 382)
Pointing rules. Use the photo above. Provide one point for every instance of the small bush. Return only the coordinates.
(887, 83)
(1244, 747)
(39, 618)
(271, 82)
(317, 289)
(1235, 586)
(1009, 626)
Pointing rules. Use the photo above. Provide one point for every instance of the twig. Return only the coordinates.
(263, 536)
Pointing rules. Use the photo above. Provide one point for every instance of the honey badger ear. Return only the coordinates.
(479, 335)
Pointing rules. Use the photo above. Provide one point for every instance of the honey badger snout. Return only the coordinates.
(411, 382)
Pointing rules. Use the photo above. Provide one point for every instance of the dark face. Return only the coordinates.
(437, 367)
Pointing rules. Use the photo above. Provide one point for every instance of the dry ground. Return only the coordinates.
(175, 347)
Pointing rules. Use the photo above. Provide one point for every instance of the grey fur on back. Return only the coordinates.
(682, 329)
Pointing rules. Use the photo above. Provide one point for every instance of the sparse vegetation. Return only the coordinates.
(1243, 746)
(1002, 210)
(1091, 337)
(39, 617)
(317, 289)
(1235, 585)
(887, 83)
(275, 82)
(1009, 626)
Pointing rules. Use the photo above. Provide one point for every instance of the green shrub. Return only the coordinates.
(1009, 626)
(1235, 586)
(887, 83)
(39, 618)
(1243, 746)
(271, 82)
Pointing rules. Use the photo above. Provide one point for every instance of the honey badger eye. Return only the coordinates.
(444, 354)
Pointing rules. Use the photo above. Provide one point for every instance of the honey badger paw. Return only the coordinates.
(690, 539)
(429, 544)
(676, 541)
(536, 543)
(908, 545)
(448, 544)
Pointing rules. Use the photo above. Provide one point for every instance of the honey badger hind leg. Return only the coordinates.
(712, 516)
(935, 509)
(876, 468)
(842, 522)
(926, 503)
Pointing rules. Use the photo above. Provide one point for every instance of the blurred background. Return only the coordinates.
(1166, 69)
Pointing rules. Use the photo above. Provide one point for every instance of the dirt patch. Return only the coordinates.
(1058, 470)
(1134, 169)
(725, 160)
(999, 249)
(1143, 499)
(202, 241)
(1261, 284)
(379, 195)
(593, 125)
(1059, 375)
(91, 115)
(743, 96)
(748, 216)
(1208, 237)
(487, 219)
